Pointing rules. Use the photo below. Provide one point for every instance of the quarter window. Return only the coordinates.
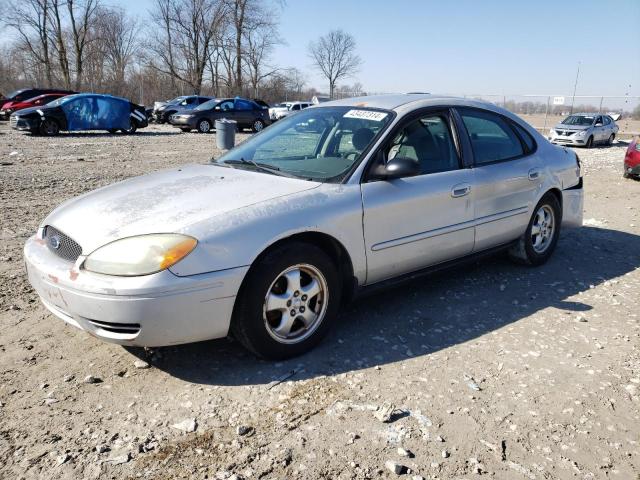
(427, 140)
(492, 139)
(526, 137)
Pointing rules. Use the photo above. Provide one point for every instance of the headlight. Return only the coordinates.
(581, 133)
(141, 255)
(552, 132)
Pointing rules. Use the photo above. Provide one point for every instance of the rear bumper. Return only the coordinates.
(572, 206)
(153, 310)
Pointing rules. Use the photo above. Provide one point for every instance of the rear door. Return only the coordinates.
(411, 223)
(244, 111)
(507, 175)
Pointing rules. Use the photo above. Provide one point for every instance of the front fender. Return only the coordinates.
(239, 237)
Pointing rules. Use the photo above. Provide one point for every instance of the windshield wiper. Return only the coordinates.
(261, 166)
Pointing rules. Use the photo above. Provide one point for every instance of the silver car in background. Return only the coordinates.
(268, 241)
(584, 129)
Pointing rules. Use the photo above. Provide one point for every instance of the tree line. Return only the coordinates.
(209, 47)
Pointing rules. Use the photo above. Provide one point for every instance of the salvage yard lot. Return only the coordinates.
(493, 368)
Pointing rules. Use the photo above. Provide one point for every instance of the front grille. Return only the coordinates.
(62, 245)
(565, 133)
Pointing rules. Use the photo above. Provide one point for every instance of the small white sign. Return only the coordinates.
(558, 100)
(366, 115)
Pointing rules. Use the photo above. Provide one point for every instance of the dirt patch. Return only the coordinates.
(492, 369)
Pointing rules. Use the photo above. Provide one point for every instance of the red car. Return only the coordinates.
(9, 107)
(632, 159)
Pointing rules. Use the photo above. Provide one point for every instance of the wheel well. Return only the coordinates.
(331, 247)
(558, 194)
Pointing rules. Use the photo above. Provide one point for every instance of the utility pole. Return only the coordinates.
(575, 86)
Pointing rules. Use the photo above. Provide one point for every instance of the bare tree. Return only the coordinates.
(117, 38)
(30, 20)
(184, 44)
(335, 56)
(259, 40)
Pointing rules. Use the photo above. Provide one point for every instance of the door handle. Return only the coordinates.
(534, 174)
(460, 190)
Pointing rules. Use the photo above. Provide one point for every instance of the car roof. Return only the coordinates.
(409, 101)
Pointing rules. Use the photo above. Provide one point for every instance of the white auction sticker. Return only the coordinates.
(366, 115)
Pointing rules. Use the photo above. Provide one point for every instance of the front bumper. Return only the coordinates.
(632, 170)
(153, 310)
(23, 124)
(568, 140)
(189, 122)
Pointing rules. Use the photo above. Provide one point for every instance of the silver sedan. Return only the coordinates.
(584, 129)
(268, 241)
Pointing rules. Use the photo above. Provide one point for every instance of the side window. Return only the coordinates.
(243, 105)
(492, 139)
(226, 105)
(598, 121)
(427, 140)
(295, 107)
(526, 137)
(607, 120)
(191, 100)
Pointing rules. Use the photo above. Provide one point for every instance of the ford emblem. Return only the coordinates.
(54, 241)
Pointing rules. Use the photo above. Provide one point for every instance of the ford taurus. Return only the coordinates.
(267, 241)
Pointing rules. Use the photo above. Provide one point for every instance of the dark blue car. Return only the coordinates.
(86, 111)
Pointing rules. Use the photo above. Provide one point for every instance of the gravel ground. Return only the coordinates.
(491, 370)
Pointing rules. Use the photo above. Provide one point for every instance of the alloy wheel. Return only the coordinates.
(204, 126)
(295, 304)
(543, 229)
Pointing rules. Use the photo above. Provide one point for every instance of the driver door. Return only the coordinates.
(412, 223)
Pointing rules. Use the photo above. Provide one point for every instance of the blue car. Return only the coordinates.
(85, 111)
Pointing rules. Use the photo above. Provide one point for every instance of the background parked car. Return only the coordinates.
(287, 109)
(585, 129)
(13, 106)
(27, 93)
(85, 111)
(247, 113)
(632, 159)
(179, 104)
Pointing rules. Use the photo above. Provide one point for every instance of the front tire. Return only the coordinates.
(589, 143)
(204, 126)
(50, 128)
(288, 301)
(612, 137)
(539, 241)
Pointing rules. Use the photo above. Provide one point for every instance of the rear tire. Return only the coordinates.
(539, 241)
(589, 143)
(288, 302)
(133, 126)
(612, 137)
(50, 128)
(257, 126)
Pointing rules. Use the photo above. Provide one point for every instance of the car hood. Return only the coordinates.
(166, 202)
(574, 128)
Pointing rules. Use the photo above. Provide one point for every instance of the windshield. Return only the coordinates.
(580, 120)
(13, 94)
(208, 105)
(177, 99)
(60, 101)
(316, 143)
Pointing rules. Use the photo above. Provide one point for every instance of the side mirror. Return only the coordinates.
(398, 167)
